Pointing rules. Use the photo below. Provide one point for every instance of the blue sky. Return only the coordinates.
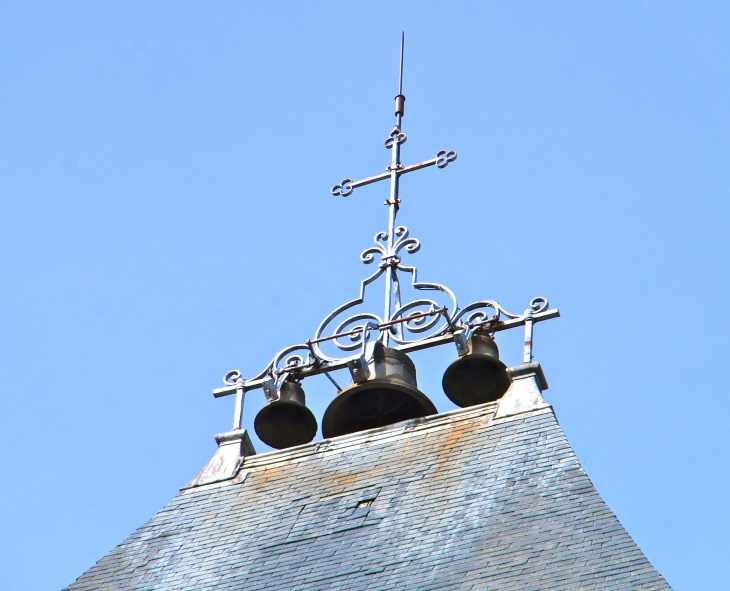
(165, 216)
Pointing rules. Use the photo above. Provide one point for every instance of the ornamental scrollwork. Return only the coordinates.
(416, 321)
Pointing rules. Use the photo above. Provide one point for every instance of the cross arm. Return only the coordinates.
(347, 186)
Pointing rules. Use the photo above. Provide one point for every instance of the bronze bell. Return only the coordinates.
(389, 395)
(286, 421)
(479, 376)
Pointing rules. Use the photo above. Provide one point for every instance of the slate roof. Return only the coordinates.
(461, 500)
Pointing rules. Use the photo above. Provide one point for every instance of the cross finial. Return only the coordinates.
(393, 173)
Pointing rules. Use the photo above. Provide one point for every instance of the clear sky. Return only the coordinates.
(165, 216)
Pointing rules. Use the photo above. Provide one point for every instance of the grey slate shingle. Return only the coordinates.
(460, 501)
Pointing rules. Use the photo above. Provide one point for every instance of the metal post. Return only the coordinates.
(528, 339)
(238, 410)
(400, 99)
(395, 166)
(392, 212)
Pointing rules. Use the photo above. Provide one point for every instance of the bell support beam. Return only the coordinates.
(303, 372)
(515, 322)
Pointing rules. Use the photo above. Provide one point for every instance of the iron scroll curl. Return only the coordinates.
(352, 327)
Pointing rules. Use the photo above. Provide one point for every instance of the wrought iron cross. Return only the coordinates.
(419, 324)
(394, 172)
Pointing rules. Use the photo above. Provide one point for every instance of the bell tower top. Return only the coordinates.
(345, 338)
(396, 496)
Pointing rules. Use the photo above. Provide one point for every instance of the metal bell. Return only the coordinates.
(479, 376)
(286, 421)
(388, 395)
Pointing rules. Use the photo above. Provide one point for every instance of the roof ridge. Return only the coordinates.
(376, 435)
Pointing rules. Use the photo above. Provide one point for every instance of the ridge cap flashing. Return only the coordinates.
(376, 435)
